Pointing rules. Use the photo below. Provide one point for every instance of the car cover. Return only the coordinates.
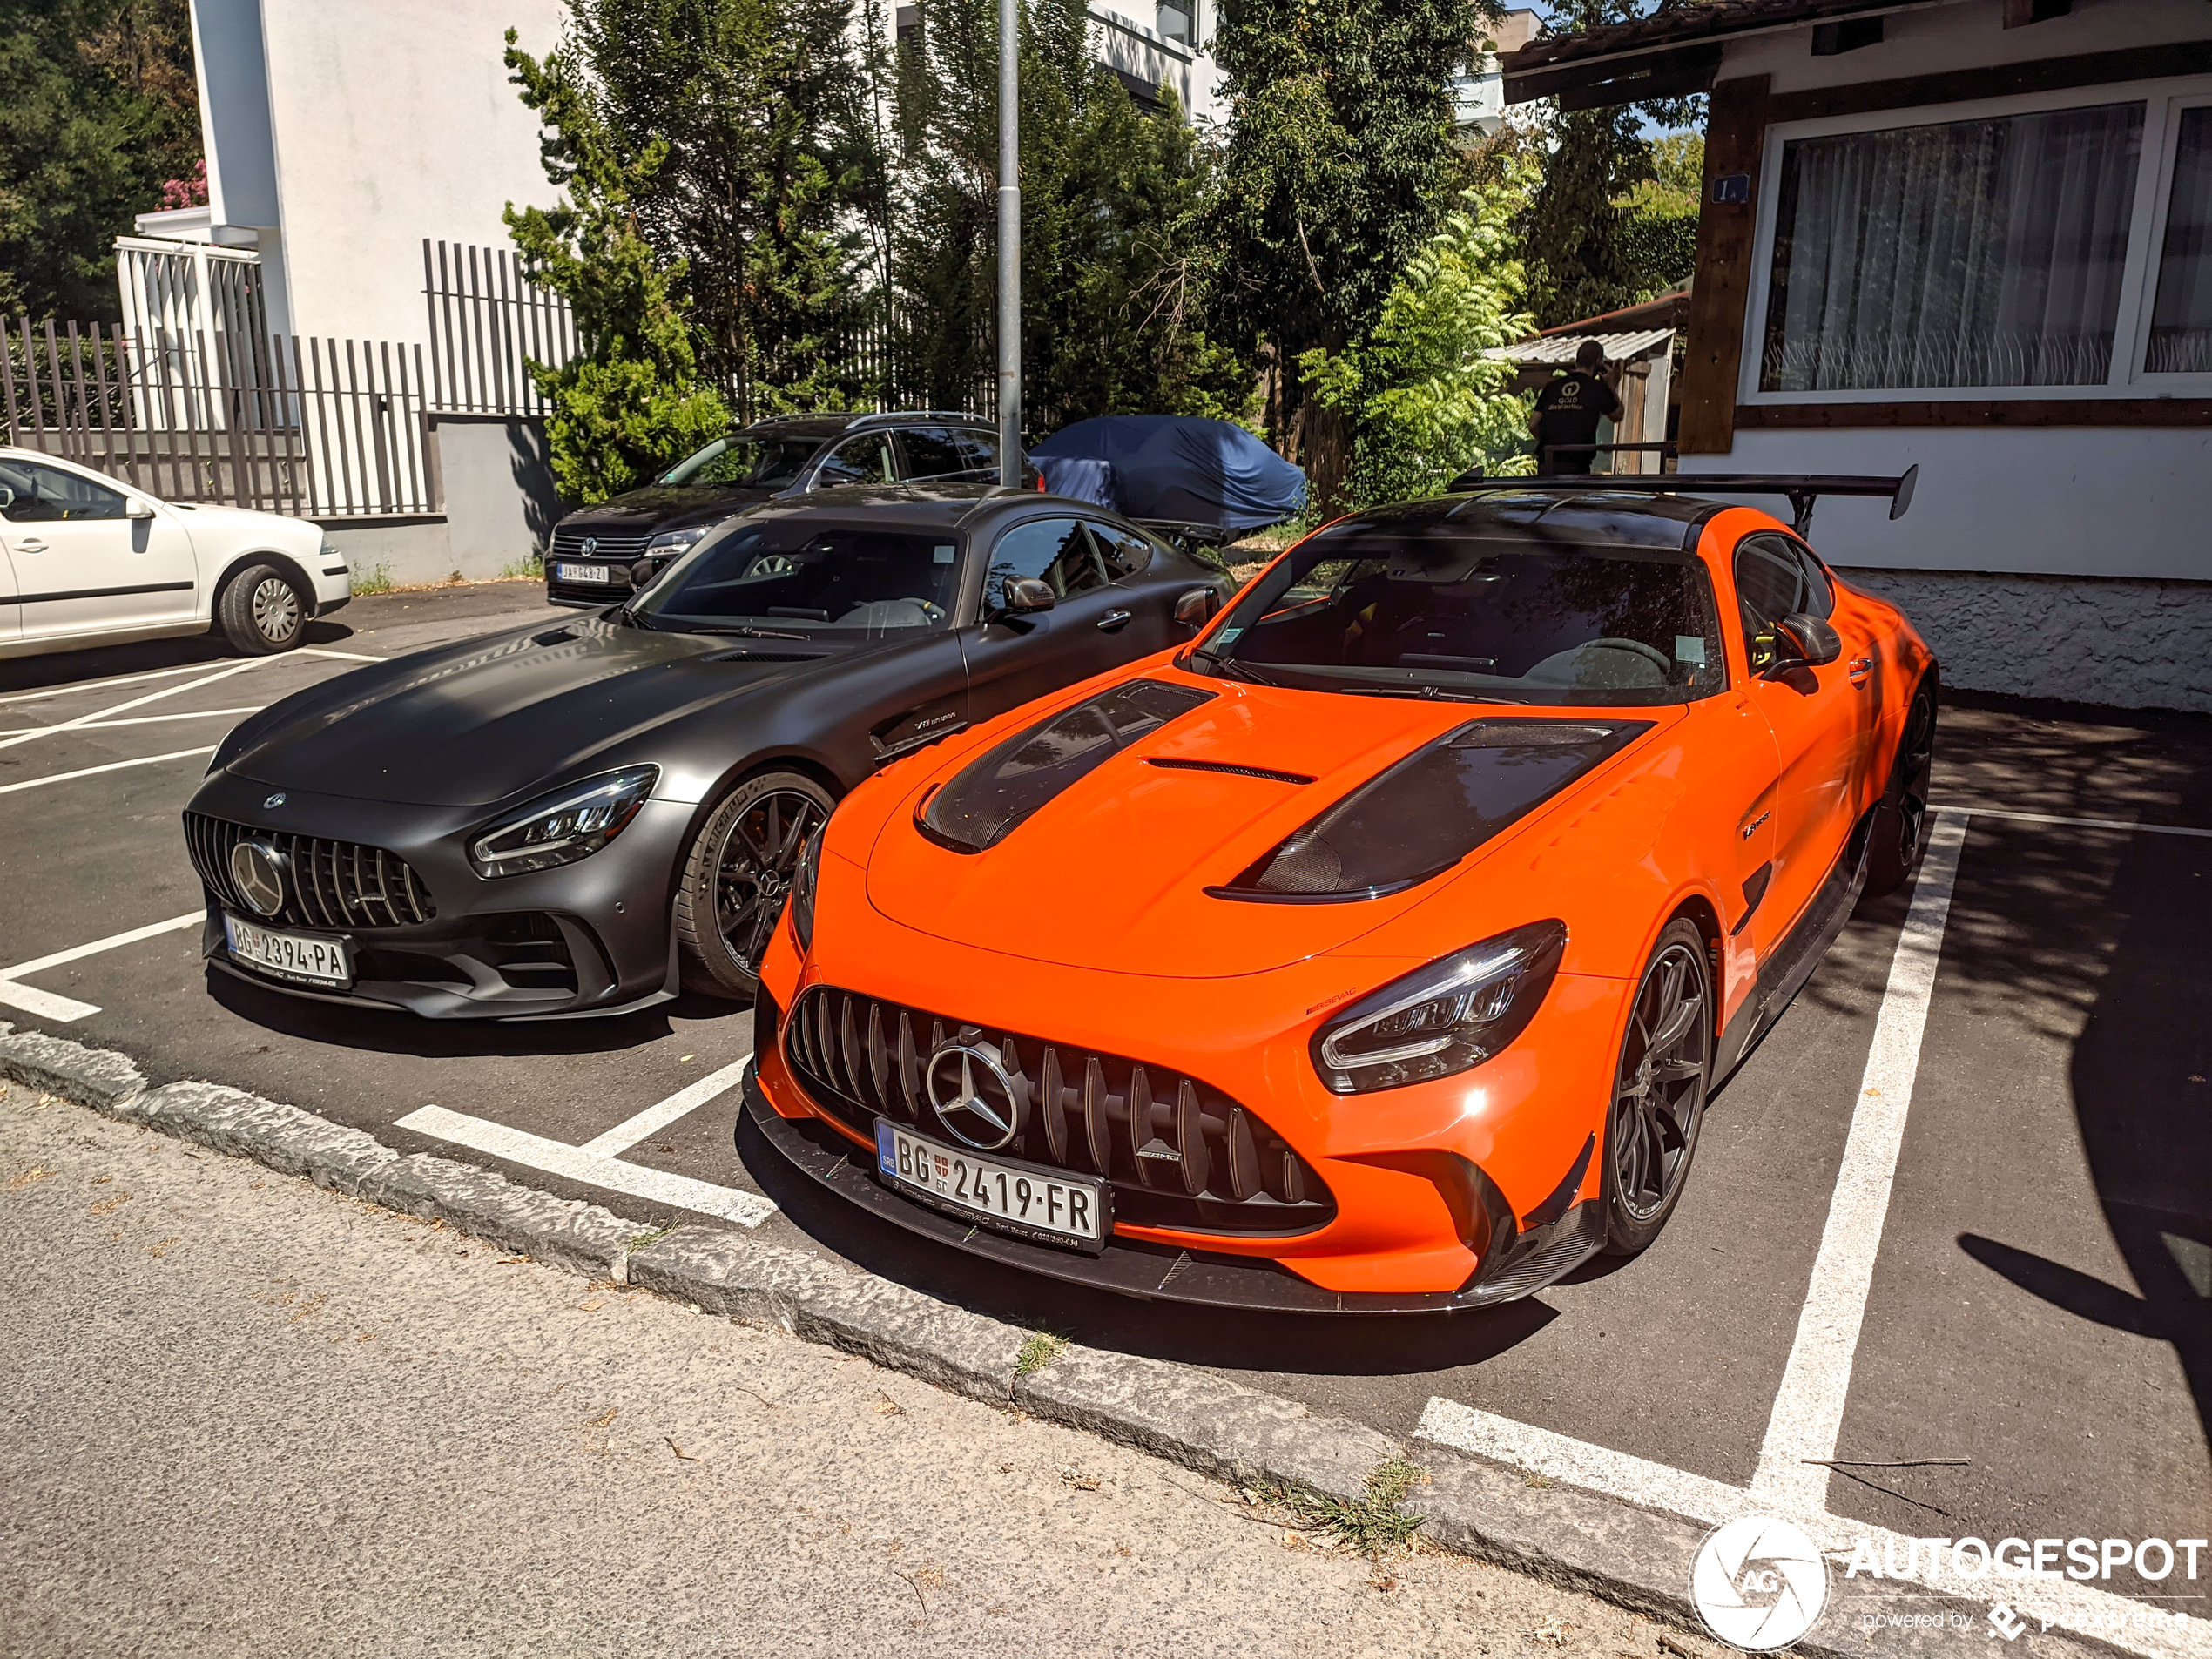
(1176, 467)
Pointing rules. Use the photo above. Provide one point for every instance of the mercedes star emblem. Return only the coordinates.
(257, 869)
(276, 800)
(977, 1103)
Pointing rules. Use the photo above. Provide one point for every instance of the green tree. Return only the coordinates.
(98, 110)
(1341, 145)
(1420, 390)
(1112, 286)
(632, 402)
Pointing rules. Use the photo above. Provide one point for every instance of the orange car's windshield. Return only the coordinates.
(1493, 614)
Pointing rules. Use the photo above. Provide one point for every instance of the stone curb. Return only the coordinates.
(1628, 1555)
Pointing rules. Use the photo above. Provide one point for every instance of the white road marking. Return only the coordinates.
(136, 720)
(113, 766)
(576, 1163)
(71, 688)
(2135, 1626)
(350, 656)
(150, 696)
(47, 1005)
(653, 1119)
(1809, 1407)
(76, 952)
(2075, 823)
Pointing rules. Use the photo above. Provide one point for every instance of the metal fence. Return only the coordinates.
(317, 429)
(489, 322)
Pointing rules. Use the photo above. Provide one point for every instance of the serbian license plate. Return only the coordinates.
(309, 958)
(598, 573)
(1053, 1207)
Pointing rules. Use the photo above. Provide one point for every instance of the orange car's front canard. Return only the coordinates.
(1376, 951)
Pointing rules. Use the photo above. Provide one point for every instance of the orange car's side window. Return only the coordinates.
(1775, 578)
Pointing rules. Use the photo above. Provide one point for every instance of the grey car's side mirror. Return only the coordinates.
(1804, 641)
(1026, 595)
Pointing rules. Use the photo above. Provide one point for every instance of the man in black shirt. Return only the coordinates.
(1567, 410)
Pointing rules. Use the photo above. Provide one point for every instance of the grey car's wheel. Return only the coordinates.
(1900, 822)
(262, 612)
(737, 876)
(1658, 1089)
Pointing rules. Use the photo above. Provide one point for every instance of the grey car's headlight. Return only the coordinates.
(1447, 1017)
(804, 880)
(675, 541)
(565, 825)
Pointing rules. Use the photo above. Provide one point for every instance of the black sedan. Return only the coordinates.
(584, 818)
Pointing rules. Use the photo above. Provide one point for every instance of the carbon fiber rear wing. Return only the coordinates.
(1802, 489)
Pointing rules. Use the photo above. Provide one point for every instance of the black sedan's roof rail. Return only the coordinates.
(1802, 488)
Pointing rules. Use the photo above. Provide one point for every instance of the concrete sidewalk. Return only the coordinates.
(250, 1415)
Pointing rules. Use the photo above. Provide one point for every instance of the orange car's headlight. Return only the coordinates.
(1447, 1017)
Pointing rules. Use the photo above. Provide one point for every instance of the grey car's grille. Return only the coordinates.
(568, 543)
(326, 884)
(1177, 1153)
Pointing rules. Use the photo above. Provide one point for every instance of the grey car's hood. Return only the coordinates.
(476, 723)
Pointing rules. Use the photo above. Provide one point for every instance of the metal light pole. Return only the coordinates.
(1009, 242)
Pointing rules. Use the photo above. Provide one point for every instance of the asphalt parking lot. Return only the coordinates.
(1979, 1148)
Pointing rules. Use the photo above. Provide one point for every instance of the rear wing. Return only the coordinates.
(1801, 489)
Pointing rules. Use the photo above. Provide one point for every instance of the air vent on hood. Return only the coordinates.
(1271, 774)
(1423, 815)
(553, 636)
(982, 806)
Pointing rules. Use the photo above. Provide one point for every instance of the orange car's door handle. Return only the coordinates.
(1861, 670)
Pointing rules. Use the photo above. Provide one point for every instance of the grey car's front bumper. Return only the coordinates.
(592, 937)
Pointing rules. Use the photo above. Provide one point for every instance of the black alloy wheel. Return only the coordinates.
(1900, 821)
(737, 879)
(1659, 1090)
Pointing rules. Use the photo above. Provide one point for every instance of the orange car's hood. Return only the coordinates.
(1112, 872)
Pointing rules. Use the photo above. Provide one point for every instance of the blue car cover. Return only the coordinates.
(1175, 467)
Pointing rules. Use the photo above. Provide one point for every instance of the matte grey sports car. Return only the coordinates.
(580, 818)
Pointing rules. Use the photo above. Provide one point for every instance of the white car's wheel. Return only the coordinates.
(263, 610)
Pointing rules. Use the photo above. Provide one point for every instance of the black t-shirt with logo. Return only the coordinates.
(1567, 411)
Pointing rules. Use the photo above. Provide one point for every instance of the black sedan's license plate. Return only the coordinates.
(1050, 1206)
(306, 959)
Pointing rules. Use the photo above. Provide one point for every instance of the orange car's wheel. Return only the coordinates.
(1658, 1089)
(1899, 821)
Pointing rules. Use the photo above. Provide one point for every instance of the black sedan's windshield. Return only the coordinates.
(1488, 611)
(809, 579)
(751, 463)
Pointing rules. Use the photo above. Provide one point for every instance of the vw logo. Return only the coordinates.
(590, 544)
(977, 1102)
(257, 870)
(274, 800)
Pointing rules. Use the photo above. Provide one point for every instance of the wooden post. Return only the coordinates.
(1713, 354)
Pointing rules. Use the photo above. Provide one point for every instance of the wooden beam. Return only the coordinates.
(2003, 80)
(1736, 127)
(1979, 412)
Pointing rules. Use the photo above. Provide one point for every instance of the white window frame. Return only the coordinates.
(2163, 101)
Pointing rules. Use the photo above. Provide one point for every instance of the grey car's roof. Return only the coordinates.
(921, 503)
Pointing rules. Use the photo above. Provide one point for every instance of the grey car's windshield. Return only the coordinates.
(1487, 611)
(809, 579)
(746, 462)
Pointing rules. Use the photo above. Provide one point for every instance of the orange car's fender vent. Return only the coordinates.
(1177, 1153)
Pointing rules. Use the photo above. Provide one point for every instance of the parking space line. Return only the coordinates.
(47, 1005)
(576, 1163)
(2075, 823)
(350, 656)
(112, 765)
(1808, 1406)
(136, 720)
(76, 952)
(653, 1119)
(2133, 1626)
(150, 696)
(102, 685)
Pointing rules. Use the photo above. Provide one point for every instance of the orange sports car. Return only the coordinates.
(1378, 950)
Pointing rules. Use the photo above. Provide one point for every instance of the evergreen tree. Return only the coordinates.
(1333, 181)
(631, 402)
(98, 108)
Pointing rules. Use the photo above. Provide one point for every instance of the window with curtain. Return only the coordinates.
(2180, 318)
(1984, 252)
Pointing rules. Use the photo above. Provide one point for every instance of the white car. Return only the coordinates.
(91, 560)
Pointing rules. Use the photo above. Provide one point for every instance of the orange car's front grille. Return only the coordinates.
(1177, 1153)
